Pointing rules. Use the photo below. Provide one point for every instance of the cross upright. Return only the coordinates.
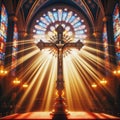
(60, 45)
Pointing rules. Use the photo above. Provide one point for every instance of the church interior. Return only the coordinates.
(60, 57)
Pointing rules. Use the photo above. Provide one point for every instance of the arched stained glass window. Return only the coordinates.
(105, 46)
(116, 30)
(3, 33)
(74, 25)
(14, 50)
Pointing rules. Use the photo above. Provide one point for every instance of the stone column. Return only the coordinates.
(7, 81)
(111, 48)
(22, 36)
(98, 46)
(8, 53)
(111, 78)
(111, 45)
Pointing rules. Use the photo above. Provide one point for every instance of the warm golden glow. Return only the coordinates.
(79, 69)
(3, 72)
(16, 81)
(25, 85)
(79, 73)
(103, 81)
(94, 85)
(40, 66)
(116, 72)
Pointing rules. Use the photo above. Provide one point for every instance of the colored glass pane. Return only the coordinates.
(45, 26)
(3, 33)
(116, 30)
(105, 46)
(14, 50)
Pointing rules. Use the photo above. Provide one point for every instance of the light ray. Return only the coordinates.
(39, 83)
(50, 84)
(79, 75)
(34, 77)
(39, 74)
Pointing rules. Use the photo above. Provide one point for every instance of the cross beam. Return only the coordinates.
(60, 46)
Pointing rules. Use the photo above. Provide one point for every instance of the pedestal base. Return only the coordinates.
(60, 117)
(60, 112)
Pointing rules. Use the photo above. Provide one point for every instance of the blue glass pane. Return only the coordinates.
(15, 35)
(50, 14)
(39, 32)
(42, 24)
(77, 24)
(48, 19)
(2, 56)
(72, 18)
(64, 15)
(118, 56)
(80, 32)
(55, 15)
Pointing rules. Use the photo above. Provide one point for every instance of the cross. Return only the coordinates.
(60, 45)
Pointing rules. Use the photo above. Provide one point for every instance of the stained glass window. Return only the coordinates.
(14, 50)
(3, 33)
(74, 25)
(105, 46)
(116, 30)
